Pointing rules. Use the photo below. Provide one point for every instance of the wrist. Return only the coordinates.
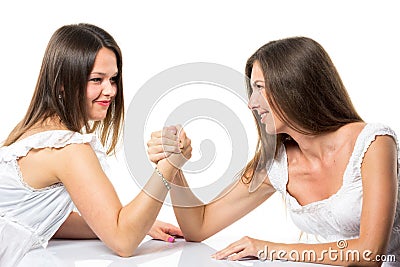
(165, 182)
(167, 169)
(179, 179)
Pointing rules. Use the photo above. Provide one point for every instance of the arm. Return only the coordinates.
(379, 177)
(202, 221)
(120, 228)
(75, 227)
(197, 220)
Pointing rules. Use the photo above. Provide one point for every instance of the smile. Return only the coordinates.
(104, 103)
(263, 115)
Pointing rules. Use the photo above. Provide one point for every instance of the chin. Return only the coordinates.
(270, 129)
(96, 118)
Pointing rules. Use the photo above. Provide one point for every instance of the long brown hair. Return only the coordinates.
(61, 86)
(303, 88)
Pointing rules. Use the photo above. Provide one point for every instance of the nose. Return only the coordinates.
(109, 88)
(253, 103)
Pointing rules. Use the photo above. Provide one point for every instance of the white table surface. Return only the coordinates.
(88, 253)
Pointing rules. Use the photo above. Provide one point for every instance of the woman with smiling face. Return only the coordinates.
(339, 176)
(53, 161)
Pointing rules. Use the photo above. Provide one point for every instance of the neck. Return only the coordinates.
(51, 123)
(315, 146)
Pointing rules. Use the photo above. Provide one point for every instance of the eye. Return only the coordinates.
(95, 80)
(259, 86)
(114, 79)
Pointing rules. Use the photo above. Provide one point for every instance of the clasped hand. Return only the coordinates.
(170, 144)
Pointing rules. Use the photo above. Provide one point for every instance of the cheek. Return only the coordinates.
(263, 102)
(278, 123)
(92, 93)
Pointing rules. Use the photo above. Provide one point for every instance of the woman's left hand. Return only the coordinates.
(164, 231)
(244, 247)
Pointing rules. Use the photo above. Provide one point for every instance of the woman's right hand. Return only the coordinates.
(170, 144)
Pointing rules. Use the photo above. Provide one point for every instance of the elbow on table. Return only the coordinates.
(124, 249)
(124, 252)
(195, 237)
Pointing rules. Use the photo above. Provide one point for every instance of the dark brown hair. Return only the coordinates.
(303, 88)
(61, 86)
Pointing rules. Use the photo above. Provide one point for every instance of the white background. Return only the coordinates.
(362, 38)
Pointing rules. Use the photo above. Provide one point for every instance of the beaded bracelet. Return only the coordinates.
(165, 182)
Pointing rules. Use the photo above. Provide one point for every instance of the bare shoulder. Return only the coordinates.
(380, 160)
(70, 152)
(42, 167)
(75, 149)
(382, 145)
(75, 157)
(385, 140)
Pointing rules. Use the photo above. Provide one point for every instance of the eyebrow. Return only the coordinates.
(103, 74)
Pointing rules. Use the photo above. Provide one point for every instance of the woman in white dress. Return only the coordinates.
(53, 162)
(339, 176)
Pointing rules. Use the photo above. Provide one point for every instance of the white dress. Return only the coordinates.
(338, 217)
(30, 217)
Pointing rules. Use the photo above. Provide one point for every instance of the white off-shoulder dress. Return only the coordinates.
(30, 217)
(338, 217)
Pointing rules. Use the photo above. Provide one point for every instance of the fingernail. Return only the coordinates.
(171, 239)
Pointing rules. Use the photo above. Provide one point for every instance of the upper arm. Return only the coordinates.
(379, 178)
(79, 169)
(74, 227)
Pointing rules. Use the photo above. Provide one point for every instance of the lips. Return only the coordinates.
(104, 103)
(263, 114)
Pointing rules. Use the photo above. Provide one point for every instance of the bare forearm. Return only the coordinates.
(136, 218)
(199, 221)
(188, 209)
